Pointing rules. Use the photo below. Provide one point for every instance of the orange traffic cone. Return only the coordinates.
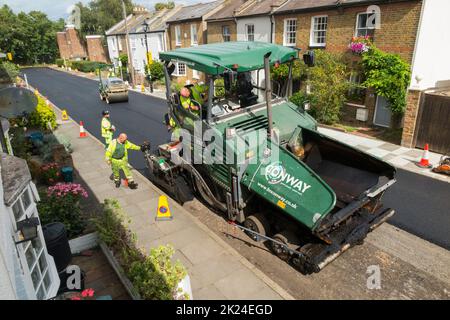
(125, 182)
(82, 132)
(424, 162)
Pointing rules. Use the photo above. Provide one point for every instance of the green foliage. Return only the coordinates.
(59, 62)
(123, 57)
(100, 15)
(219, 88)
(87, 66)
(299, 98)
(328, 81)
(280, 73)
(42, 116)
(156, 70)
(50, 174)
(8, 72)
(162, 5)
(20, 144)
(62, 139)
(62, 207)
(389, 75)
(155, 276)
(30, 37)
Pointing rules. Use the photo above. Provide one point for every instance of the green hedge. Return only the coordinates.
(87, 66)
(59, 62)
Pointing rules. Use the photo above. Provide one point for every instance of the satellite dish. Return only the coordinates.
(15, 101)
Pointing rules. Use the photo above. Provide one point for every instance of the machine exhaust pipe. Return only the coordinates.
(268, 92)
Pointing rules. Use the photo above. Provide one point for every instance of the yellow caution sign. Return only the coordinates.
(9, 55)
(64, 115)
(163, 212)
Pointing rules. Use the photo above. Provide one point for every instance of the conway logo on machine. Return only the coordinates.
(276, 174)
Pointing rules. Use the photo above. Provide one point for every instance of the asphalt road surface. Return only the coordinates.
(422, 204)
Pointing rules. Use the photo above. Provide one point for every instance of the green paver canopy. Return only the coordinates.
(247, 55)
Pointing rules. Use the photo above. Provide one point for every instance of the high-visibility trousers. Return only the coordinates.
(108, 140)
(121, 164)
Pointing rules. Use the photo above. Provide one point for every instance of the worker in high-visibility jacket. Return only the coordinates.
(116, 155)
(188, 103)
(200, 92)
(107, 128)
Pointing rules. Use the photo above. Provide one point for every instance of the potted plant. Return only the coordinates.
(359, 45)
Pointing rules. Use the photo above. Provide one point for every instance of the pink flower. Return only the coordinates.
(87, 293)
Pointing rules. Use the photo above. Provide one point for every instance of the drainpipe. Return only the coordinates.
(271, 28)
(268, 91)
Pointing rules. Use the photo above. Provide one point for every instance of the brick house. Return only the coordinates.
(70, 45)
(222, 26)
(330, 25)
(188, 27)
(95, 48)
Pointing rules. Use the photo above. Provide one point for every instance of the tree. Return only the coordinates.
(100, 15)
(389, 75)
(328, 81)
(162, 5)
(30, 37)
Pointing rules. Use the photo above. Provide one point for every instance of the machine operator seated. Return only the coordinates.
(188, 103)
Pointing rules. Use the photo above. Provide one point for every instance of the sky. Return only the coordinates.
(56, 9)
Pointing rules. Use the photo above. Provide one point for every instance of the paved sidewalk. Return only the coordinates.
(398, 156)
(216, 270)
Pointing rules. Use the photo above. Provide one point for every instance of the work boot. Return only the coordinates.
(117, 184)
(111, 177)
(132, 185)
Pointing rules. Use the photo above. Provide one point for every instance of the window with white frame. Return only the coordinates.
(318, 31)
(119, 42)
(290, 32)
(194, 39)
(356, 90)
(226, 35)
(177, 35)
(36, 263)
(180, 69)
(363, 28)
(250, 32)
(133, 44)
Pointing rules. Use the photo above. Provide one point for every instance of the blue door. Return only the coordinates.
(383, 113)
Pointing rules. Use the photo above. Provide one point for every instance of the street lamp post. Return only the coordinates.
(145, 24)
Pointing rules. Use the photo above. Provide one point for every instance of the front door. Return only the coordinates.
(383, 113)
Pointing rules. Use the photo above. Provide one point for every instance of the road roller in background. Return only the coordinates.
(113, 89)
